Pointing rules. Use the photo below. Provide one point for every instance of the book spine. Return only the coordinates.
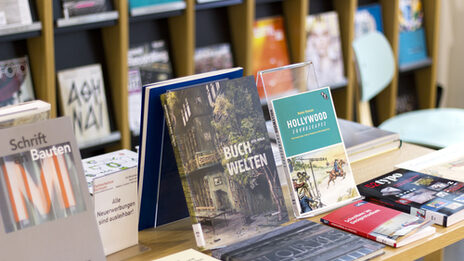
(188, 198)
(383, 240)
(295, 203)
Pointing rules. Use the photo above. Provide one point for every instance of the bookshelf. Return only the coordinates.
(185, 29)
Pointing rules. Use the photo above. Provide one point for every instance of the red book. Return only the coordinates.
(379, 223)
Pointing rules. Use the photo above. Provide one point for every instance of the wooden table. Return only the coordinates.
(178, 236)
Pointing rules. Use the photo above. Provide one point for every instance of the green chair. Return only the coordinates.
(376, 66)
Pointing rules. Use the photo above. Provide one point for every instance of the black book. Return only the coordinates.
(303, 240)
(433, 198)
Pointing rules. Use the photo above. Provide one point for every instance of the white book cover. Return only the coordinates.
(112, 179)
(15, 12)
(45, 208)
(187, 255)
(15, 81)
(82, 95)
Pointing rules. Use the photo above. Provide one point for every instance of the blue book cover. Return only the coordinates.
(412, 47)
(159, 189)
(145, 3)
(368, 18)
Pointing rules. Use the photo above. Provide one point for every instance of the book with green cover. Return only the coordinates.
(313, 152)
(225, 161)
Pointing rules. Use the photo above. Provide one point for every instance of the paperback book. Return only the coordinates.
(225, 161)
(323, 48)
(159, 182)
(446, 163)
(213, 57)
(379, 223)
(270, 51)
(368, 18)
(432, 198)
(45, 208)
(22, 113)
(303, 240)
(15, 81)
(15, 12)
(148, 63)
(73, 8)
(412, 46)
(143, 7)
(82, 96)
(313, 153)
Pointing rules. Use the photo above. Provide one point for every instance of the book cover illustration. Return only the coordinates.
(446, 163)
(15, 12)
(412, 46)
(379, 223)
(270, 51)
(73, 8)
(148, 63)
(418, 194)
(225, 161)
(323, 48)
(145, 3)
(313, 152)
(82, 96)
(43, 194)
(213, 57)
(367, 19)
(303, 240)
(15, 81)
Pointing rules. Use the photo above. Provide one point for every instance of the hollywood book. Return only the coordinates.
(313, 153)
(323, 48)
(43, 195)
(302, 240)
(15, 81)
(432, 198)
(225, 161)
(83, 98)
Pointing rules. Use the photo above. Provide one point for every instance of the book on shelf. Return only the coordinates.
(148, 63)
(323, 48)
(213, 57)
(15, 12)
(43, 195)
(72, 8)
(159, 183)
(112, 182)
(270, 51)
(82, 97)
(363, 141)
(303, 240)
(368, 18)
(314, 159)
(446, 163)
(15, 81)
(433, 198)
(143, 7)
(187, 255)
(25, 112)
(225, 161)
(412, 46)
(379, 223)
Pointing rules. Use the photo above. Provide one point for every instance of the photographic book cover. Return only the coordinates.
(15, 81)
(367, 19)
(15, 12)
(82, 96)
(412, 46)
(44, 195)
(148, 63)
(433, 198)
(323, 48)
(213, 57)
(270, 51)
(225, 161)
(73, 8)
(313, 153)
